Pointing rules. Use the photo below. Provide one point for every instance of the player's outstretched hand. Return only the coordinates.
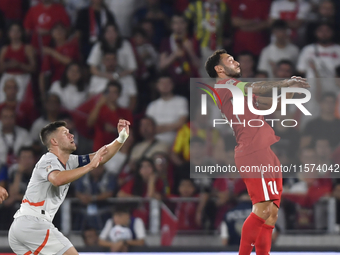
(297, 82)
(98, 157)
(123, 124)
(3, 194)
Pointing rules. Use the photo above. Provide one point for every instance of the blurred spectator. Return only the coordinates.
(12, 137)
(123, 12)
(90, 23)
(261, 75)
(233, 220)
(122, 231)
(92, 190)
(146, 55)
(56, 58)
(279, 49)
(51, 113)
(185, 210)
(146, 182)
(40, 19)
(105, 115)
(25, 111)
(98, 83)
(16, 61)
(91, 240)
(110, 40)
(294, 12)
(247, 63)
(12, 9)
(325, 126)
(165, 171)
(18, 178)
(159, 14)
(326, 11)
(179, 55)
(150, 144)
(323, 56)
(147, 26)
(71, 87)
(170, 112)
(19, 175)
(211, 20)
(250, 21)
(284, 69)
(198, 126)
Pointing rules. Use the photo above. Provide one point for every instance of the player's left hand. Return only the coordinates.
(123, 124)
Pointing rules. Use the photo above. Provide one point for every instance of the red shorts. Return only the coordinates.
(261, 172)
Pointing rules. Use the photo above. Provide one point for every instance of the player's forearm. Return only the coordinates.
(63, 177)
(262, 88)
(139, 242)
(104, 243)
(112, 149)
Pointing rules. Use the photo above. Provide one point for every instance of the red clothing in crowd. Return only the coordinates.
(143, 210)
(250, 10)
(42, 17)
(12, 9)
(185, 213)
(319, 188)
(108, 116)
(69, 49)
(19, 55)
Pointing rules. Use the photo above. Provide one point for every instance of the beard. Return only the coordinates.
(232, 73)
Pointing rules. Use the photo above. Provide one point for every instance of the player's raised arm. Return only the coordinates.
(113, 148)
(262, 88)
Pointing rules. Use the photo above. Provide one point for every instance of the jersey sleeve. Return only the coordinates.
(106, 230)
(48, 166)
(78, 160)
(139, 229)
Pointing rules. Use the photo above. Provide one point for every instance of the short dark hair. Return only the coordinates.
(213, 61)
(152, 120)
(49, 129)
(114, 84)
(122, 208)
(25, 148)
(279, 24)
(285, 62)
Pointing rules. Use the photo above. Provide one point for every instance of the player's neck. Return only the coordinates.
(61, 155)
(222, 76)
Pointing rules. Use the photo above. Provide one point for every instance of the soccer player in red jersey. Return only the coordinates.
(253, 148)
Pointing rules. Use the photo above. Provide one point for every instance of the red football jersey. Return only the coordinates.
(249, 139)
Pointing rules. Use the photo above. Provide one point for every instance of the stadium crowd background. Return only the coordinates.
(92, 62)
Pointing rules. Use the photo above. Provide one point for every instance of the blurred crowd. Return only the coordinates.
(92, 62)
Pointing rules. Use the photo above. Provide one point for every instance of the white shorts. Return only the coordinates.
(33, 235)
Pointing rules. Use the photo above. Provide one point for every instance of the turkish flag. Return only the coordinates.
(168, 226)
